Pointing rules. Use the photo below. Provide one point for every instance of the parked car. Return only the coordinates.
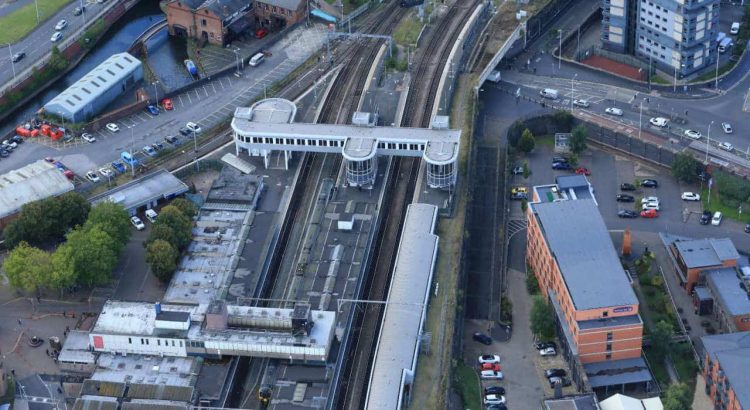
(555, 373)
(482, 338)
(167, 104)
(61, 25)
(693, 134)
(494, 399)
(113, 127)
(705, 217)
(88, 137)
(494, 390)
(647, 199)
(727, 127)
(613, 111)
(9, 145)
(185, 131)
(171, 139)
(136, 221)
(548, 351)
(544, 345)
(152, 109)
(726, 146)
(649, 183)
(56, 37)
(151, 215)
(91, 176)
(558, 158)
(625, 198)
(626, 213)
(690, 196)
(157, 146)
(488, 358)
(583, 171)
(517, 170)
(627, 187)
(193, 127)
(106, 172)
(561, 166)
(4, 153)
(716, 219)
(18, 57)
(79, 10)
(69, 174)
(491, 374)
(519, 190)
(650, 205)
(650, 213)
(260, 33)
(658, 121)
(490, 366)
(119, 167)
(581, 103)
(149, 150)
(563, 381)
(747, 228)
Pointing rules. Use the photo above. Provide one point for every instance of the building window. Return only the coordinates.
(158, 342)
(172, 343)
(609, 335)
(203, 22)
(130, 341)
(605, 313)
(608, 356)
(142, 342)
(609, 347)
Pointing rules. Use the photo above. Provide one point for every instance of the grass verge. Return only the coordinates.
(727, 211)
(408, 30)
(467, 385)
(655, 79)
(20, 22)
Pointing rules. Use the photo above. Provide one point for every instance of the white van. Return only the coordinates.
(550, 93)
(151, 215)
(725, 44)
(257, 59)
(494, 76)
(735, 28)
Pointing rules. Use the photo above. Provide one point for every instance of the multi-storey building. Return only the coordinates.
(572, 256)
(677, 36)
(725, 363)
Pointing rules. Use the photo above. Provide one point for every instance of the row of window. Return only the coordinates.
(326, 143)
(145, 341)
(276, 10)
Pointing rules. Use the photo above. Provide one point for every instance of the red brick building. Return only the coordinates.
(694, 257)
(210, 21)
(275, 14)
(725, 363)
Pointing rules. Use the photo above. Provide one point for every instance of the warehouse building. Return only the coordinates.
(36, 181)
(88, 96)
(145, 192)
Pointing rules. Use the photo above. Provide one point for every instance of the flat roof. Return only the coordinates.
(702, 292)
(732, 350)
(38, 180)
(698, 253)
(616, 372)
(577, 402)
(139, 192)
(398, 344)
(76, 348)
(725, 285)
(580, 243)
(154, 370)
(269, 110)
(132, 318)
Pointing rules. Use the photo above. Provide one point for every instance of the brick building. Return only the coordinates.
(725, 363)
(211, 21)
(275, 14)
(692, 258)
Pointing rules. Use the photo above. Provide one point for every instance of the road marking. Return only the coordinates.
(198, 96)
(179, 97)
(189, 99)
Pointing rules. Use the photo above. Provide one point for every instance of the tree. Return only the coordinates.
(161, 232)
(532, 286)
(63, 273)
(563, 119)
(685, 168)
(661, 335)
(514, 133)
(186, 207)
(677, 397)
(162, 257)
(578, 139)
(90, 255)
(542, 318)
(27, 267)
(74, 209)
(112, 219)
(527, 142)
(182, 227)
(14, 233)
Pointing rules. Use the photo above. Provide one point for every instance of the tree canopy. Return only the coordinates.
(112, 219)
(47, 220)
(686, 168)
(542, 318)
(181, 226)
(527, 142)
(162, 257)
(677, 397)
(185, 206)
(578, 139)
(27, 267)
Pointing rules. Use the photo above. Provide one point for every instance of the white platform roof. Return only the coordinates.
(38, 180)
(398, 346)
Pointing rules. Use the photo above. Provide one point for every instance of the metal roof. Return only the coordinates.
(725, 286)
(133, 368)
(157, 185)
(38, 180)
(732, 350)
(398, 346)
(98, 81)
(617, 372)
(578, 402)
(699, 253)
(583, 249)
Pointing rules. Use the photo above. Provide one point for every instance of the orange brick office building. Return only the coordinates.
(726, 362)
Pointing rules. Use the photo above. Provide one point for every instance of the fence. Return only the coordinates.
(618, 57)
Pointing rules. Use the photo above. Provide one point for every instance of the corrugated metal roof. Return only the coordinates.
(397, 349)
(581, 244)
(158, 185)
(38, 180)
(287, 4)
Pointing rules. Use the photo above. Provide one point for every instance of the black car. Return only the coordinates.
(555, 373)
(494, 390)
(185, 131)
(627, 187)
(496, 407)
(650, 183)
(544, 345)
(157, 146)
(747, 228)
(706, 217)
(558, 158)
(626, 213)
(625, 198)
(4, 153)
(482, 338)
(170, 139)
(561, 165)
(18, 57)
(17, 139)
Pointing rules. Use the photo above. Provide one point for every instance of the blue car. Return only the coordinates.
(119, 167)
(129, 159)
(561, 165)
(152, 109)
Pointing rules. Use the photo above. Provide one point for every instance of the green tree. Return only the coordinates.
(91, 255)
(532, 286)
(185, 206)
(514, 133)
(27, 267)
(527, 142)
(63, 272)
(685, 167)
(39, 219)
(563, 119)
(73, 210)
(161, 232)
(677, 397)
(112, 219)
(542, 318)
(162, 257)
(14, 233)
(661, 335)
(578, 139)
(182, 227)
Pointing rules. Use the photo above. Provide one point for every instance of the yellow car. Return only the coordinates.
(518, 190)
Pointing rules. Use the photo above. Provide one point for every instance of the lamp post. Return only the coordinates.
(640, 119)
(716, 84)
(708, 142)
(572, 91)
(83, 12)
(559, 51)
(156, 92)
(132, 158)
(12, 64)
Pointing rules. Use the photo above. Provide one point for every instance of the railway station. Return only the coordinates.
(268, 126)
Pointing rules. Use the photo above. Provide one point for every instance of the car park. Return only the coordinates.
(581, 103)
(627, 187)
(726, 146)
(119, 167)
(693, 134)
(494, 399)
(649, 183)
(705, 217)
(716, 219)
(561, 166)
(152, 109)
(583, 171)
(136, 221)
(491, 374)
(482, 338)
(91, 176)
(658, 121)
(88, 137)
(113, 127)
(625, 198)
(548, 351)
(626, 213)
(488, 358)
(18, 57)
(555, 373)
(690, 196)
(106, 172)
(494, 390)
(613, 111)
(56, 37)
(727, 127)
(61, 25)
(650, 213)
(149, 150)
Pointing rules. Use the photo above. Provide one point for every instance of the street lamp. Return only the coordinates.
(132, 158)
(83, 11)
(640, 119)
(572, 92)
(559, 51)
(156, 93)
(716, 85)
(12, 64)
(708, 141)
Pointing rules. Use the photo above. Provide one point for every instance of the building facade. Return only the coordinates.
(676, 36)
(725, 363)
(277, 14)
(692, 258)
(212, 21)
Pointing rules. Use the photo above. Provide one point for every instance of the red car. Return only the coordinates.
(583, 170)
(490, 366)
(650, 213)
(167, 104)
(261, 32)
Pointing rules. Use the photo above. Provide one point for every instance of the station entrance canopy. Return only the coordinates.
(268, 126)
